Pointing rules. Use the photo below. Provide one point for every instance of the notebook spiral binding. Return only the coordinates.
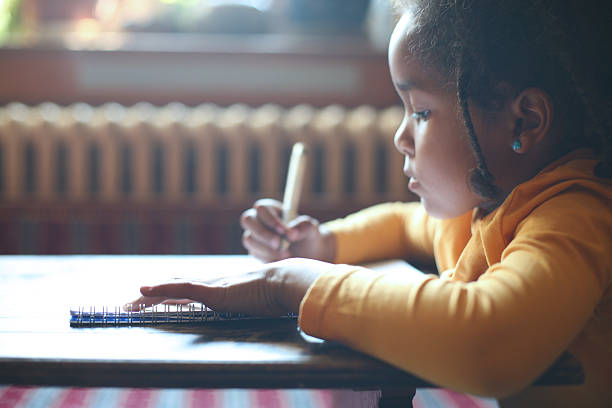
(141, 316)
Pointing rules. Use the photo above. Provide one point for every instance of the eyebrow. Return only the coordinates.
(407, 85)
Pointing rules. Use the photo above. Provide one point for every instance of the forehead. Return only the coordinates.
(405, 66)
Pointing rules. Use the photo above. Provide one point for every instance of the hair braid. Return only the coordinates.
(480, 178)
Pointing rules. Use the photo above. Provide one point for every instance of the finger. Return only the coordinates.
(177, 302)
(142, 303)
(252, 222)
(271, 203)
(259, 232)
(265, 255)
(255, 246)
(180, 290)
(269, 212)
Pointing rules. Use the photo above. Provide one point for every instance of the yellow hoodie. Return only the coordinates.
(516, 288)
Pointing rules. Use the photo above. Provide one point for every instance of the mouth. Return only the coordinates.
(413, 184)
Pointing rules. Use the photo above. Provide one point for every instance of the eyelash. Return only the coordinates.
(422, 115)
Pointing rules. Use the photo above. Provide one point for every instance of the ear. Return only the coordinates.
(532, 110)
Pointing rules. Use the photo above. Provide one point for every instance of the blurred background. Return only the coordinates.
(148, 126)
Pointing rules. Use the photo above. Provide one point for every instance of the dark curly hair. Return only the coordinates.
(559, 46)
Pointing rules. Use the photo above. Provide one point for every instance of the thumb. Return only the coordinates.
(183, 290)
(301, 228)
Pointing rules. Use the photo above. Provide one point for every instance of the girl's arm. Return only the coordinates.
(492, 336)
(385, 231)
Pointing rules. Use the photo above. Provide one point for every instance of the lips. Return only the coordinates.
(413, 184)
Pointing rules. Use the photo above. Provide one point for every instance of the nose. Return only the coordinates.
(403, 140)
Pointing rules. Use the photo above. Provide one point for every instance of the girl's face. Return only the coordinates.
(432, 136)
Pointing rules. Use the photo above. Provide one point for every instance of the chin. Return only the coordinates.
(440, 212)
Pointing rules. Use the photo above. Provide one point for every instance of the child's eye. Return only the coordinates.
(422, 115)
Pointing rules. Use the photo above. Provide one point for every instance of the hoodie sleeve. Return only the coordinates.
(492, 336)
(384, 231)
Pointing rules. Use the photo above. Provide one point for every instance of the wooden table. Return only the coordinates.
(38, 346)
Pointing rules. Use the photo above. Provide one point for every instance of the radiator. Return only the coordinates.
(207, 153)
(174, 179)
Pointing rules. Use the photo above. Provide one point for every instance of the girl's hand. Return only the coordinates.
(264, 231)
(273, 290)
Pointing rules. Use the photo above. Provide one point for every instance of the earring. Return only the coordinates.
(516, 146)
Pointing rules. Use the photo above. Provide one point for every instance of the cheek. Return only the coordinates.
(443, 139)
(447, 154)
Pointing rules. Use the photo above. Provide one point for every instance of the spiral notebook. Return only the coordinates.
(161, 314)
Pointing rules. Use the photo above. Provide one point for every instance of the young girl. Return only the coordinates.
(507, 141)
